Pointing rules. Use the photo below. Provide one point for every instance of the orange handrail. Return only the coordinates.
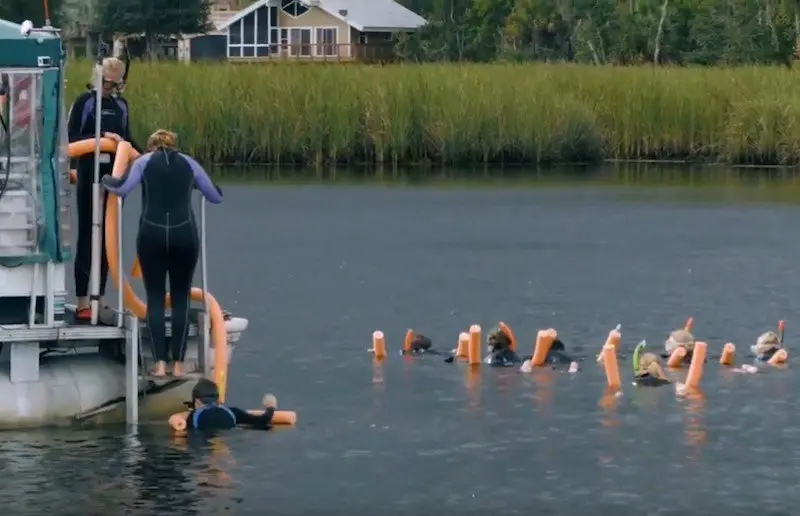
(124, 154)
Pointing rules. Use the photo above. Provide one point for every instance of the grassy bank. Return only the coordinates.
(466, 114)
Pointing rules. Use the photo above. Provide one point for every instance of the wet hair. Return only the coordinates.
(206, 391)
(162, 139)
(649, 364)
(498, 340)
(421, 343)
(767, 341)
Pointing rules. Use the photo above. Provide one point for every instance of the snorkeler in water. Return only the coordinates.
(766, 346)
(501, 353)
(681, 338)
(207, 413)
(647, 369)
(418, 344)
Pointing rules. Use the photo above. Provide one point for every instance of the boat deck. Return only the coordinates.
(23, 344)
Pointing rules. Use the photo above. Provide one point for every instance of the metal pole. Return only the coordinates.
(94, 283)
(206, 328)
(132, 370)
(120, 268)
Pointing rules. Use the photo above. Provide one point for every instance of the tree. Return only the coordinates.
(155, 19)
(80, 18)
(18, 11)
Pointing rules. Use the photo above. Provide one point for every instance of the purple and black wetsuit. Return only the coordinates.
(168, 241)
(114, 119)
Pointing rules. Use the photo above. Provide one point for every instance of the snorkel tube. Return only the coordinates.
(636, 353)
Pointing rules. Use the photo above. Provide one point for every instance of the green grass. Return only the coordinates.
(458, 114)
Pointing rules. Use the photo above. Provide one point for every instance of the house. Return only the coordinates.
(315, 30)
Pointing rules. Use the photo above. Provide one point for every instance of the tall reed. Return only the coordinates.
(474, 113)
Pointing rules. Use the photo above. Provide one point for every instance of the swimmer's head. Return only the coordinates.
(766, 342)
(204, 392)
(497, 340)
(113, 75)
(161, 139)
(679, 338)
(649, 364)
(421, 343)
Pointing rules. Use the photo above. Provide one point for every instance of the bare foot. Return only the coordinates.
(177, 369)
(159, 370)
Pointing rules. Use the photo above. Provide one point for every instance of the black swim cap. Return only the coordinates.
(205, 391)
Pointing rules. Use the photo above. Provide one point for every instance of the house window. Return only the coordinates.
(235, 33)
(362, 39)
(262, 27)
(250, 36)
(249, 29)
(300, 42)
(326, 41)
(294, 8)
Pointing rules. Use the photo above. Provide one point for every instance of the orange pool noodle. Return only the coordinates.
(505, 329)
(378, 344)
(728, 354)
(696, 367)
(614, 336)
(408, 339)
(78, 149)
(462, 351)
(780, 357)
(474, 345)
(544, 340)
(611, 367)
(284, 417)
(689, 323)
(676, 357)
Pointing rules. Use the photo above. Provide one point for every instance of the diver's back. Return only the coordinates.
(168, 181)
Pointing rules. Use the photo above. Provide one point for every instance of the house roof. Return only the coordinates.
(362, 15)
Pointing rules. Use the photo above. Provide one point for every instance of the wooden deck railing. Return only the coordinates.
(320, 52)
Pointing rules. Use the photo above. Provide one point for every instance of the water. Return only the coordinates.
(316, 268)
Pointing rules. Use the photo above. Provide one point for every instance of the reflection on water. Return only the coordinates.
(714, 181)
(317, 269)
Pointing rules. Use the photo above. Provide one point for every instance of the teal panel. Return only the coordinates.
(17, 50)
(49, 179)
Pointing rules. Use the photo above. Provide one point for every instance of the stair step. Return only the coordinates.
(162, 380)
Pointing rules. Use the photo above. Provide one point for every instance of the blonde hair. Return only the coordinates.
(162, 139)
(648, 363)
(113, 70)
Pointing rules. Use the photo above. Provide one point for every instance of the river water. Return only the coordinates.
(318, 265)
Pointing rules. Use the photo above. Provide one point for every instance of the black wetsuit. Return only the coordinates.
(767, 355)
(648, 380)
(81, 126)
(168, 243)
(556, 355)
(221, 417)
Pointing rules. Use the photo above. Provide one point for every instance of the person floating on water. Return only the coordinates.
(419, 344)
(766, 346)
(167, 243)
(206, 413)
(502, 354)
(114, 124)
(679, 339)
(647, 369)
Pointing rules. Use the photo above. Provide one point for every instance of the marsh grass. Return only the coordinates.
(459, 114)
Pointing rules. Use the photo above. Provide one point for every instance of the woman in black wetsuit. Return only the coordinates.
(115, 125)
(208, 414)
(168, 241)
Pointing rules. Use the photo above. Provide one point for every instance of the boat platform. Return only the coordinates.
(25, 345)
